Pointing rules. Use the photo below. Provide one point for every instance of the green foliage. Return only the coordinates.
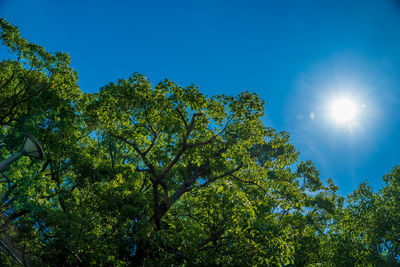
(164, 175)
(366, 232)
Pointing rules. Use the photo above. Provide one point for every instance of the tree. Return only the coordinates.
(366, 232)
(143, 175)
(186, 148)
(177, 139)
(38, 94)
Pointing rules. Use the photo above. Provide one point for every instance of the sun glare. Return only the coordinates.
(343, 110)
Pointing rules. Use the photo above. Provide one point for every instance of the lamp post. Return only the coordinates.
(30, 148)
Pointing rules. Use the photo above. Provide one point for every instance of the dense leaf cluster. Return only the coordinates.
(164, 175)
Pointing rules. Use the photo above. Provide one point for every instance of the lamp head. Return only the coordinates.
(32, 148)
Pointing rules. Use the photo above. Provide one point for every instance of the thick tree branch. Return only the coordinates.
(182, 149)
(165, 189)
(156, 208)
(187, 186)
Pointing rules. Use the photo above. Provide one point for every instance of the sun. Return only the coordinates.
(343, 110)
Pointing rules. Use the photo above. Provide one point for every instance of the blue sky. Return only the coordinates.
(299, 56)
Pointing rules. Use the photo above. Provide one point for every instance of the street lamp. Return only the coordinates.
(30, 148)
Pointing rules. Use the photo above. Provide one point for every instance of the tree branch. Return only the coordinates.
(156, 208)
(228, 173)
(155, 136)
(213, 237)
(74, 254)
(136, 148)
(183, 119)
(182, 149)
(209, 141)
(249, 182)
(185, 187)
(12, 75)
(17, 214)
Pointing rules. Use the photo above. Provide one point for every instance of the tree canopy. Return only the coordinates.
(141, 174)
